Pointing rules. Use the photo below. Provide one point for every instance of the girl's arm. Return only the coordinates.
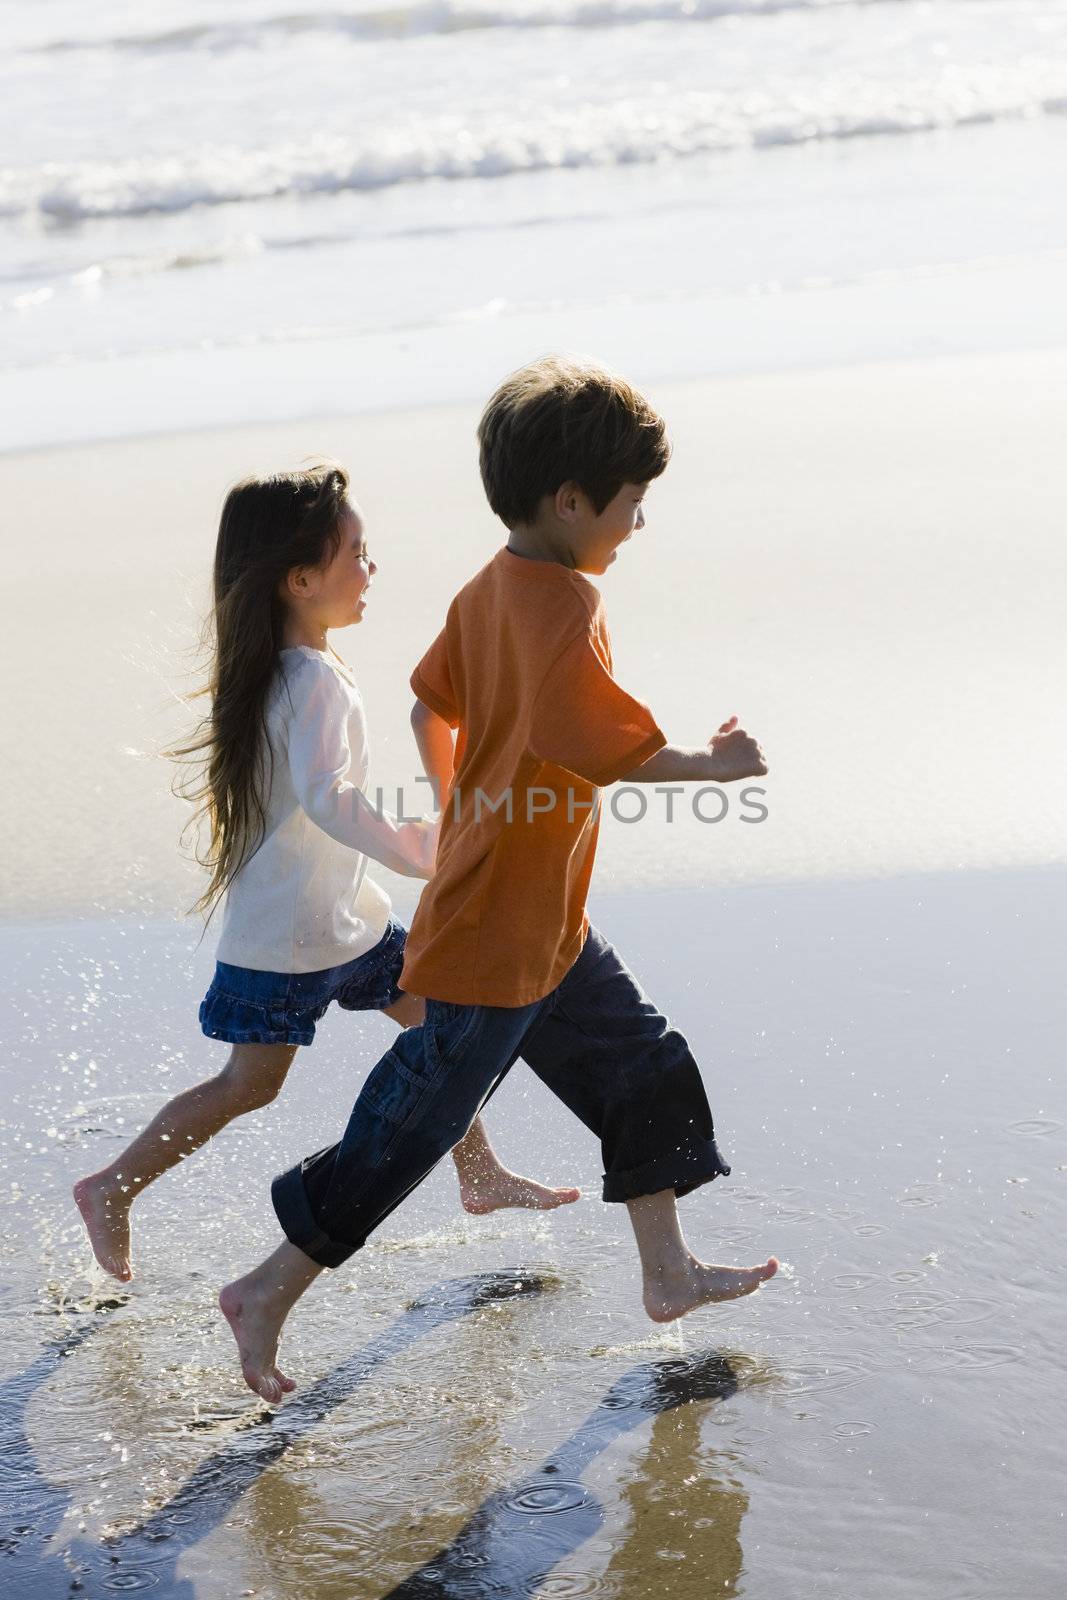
(319, 760)
(437, 750)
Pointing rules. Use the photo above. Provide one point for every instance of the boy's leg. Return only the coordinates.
(416, 1104)
(251, 1078)
(602, 1047)
(256, 1306)
(674, 1280)
(485, 1184)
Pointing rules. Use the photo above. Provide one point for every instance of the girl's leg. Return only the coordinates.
(251, 1078)
(485, 1184)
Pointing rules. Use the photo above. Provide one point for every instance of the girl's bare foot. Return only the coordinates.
(105, 1211)
(498, 1188)
(485, 1184)
(670, 1294)
(256, 1323)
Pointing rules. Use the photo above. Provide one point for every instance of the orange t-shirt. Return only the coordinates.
(523, 670)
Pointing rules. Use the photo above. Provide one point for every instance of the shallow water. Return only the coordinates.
(482, 1408)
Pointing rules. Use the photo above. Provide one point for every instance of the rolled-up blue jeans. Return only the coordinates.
(596, 1041)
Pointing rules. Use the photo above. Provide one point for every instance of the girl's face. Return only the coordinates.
(340, 587)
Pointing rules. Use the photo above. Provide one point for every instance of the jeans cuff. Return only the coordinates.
(682, 1170)
(293, 1211)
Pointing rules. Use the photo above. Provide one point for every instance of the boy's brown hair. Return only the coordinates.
(560, 420)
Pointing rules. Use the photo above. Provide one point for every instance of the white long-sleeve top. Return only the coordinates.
(303, 901)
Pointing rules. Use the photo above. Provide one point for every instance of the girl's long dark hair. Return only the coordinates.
(268, 526)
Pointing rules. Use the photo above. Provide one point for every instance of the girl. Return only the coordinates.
(281, 763)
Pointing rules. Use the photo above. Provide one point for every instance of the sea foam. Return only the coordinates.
(493, 143)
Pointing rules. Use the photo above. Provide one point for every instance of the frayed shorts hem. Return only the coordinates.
(293, 1036)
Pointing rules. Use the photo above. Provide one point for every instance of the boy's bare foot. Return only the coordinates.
(671, 1294)
(498, 1188)
(256, 1316)
(106, 1213)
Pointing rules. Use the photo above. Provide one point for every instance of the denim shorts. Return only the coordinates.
(243, 1006)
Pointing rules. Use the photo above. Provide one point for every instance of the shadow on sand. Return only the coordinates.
(148, 1554)
(508, 1546)
(517, 1535)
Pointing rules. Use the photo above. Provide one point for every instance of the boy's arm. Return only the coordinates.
(731, 754)
(586, 722)
(437, 752)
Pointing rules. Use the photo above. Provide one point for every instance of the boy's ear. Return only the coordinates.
(567, 501)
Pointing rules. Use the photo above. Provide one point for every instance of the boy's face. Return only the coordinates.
(596, 539)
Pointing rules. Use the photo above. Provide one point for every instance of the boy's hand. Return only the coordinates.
(728, 755)
(735, 754)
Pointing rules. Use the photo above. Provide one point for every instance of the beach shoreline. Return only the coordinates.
(988, 307)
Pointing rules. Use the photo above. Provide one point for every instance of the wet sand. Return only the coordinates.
(867, 565)
(880, 1059)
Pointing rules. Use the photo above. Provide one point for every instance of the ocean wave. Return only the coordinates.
(629, 131)
(421, 17)
(140, 266)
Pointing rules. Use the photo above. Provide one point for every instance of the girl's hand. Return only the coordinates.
(735, 754)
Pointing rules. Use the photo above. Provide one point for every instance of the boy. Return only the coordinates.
(500, 946)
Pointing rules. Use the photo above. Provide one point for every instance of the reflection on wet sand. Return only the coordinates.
(684, 1505)
(877, 1384)
(393, 1481)
(518, 1535)
(33, 1507)
(511, 1543)
(202, 1502)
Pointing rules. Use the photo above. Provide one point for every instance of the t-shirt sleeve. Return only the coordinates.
(319, 759)
(432, 682)
(584, 721)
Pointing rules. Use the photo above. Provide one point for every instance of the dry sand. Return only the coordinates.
(865, 564)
